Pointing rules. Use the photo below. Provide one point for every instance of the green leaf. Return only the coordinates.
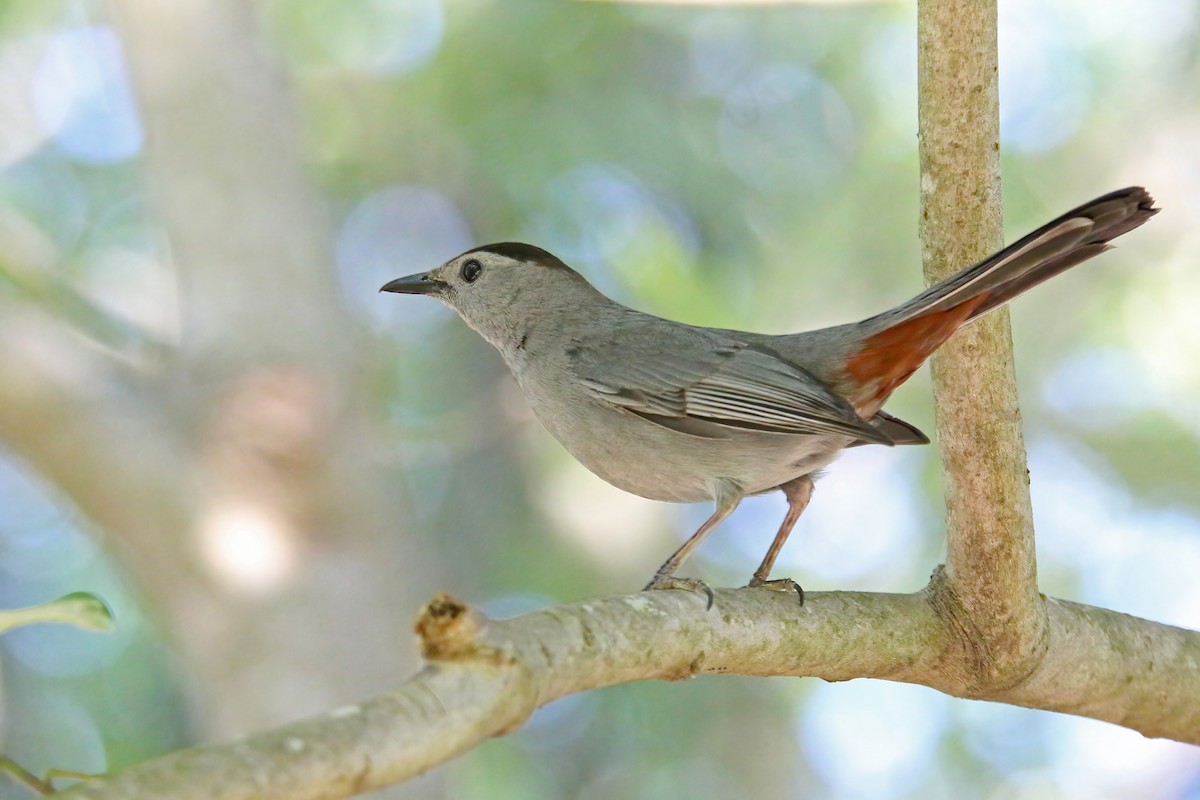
(81, 609)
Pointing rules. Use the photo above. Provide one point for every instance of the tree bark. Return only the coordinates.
(990, 577)
(485, 678)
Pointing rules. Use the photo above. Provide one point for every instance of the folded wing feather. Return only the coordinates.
(701, 383)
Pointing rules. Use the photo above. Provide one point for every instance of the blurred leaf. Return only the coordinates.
(81, 609)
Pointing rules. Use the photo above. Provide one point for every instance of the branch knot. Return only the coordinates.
(986, 658)
(449, 630)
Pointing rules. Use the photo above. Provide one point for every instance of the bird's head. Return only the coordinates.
(501, 290)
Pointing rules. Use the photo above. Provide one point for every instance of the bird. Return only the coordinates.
(682, 413)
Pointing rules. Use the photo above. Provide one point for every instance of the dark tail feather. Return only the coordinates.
(1053, 248)
(899, 341)
(899, 431)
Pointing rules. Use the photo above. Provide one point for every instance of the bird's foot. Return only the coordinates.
(690, 584)
(778, 585)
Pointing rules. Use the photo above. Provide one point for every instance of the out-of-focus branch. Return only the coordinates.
(485, 678)
(266, 380)
(250, 241)
(46, 289)
(990, 579)
(61, 411)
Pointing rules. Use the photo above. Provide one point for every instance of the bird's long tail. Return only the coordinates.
(905, 336)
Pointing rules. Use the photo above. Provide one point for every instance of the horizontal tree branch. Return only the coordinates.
(747, 3)
(484, 678)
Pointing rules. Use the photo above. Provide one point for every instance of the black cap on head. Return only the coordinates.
(526, 253)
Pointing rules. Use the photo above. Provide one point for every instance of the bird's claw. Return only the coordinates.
(689, 584)
(778, 585)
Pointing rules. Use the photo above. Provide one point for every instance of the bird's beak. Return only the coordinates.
(420, 283)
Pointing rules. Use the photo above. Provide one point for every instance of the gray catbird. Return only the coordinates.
(680, 413)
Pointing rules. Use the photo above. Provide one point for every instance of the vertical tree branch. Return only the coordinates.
(991, 572)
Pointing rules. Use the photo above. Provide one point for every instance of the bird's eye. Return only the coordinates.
(471, 271)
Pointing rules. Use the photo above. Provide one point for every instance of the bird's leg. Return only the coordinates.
(728, 497)
(798, 492)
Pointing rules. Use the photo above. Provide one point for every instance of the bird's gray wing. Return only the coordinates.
(699, 382)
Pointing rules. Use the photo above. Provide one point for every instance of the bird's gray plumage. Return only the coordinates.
(683, 413)
(715, 382)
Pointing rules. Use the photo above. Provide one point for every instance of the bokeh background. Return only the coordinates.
(209, 417)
